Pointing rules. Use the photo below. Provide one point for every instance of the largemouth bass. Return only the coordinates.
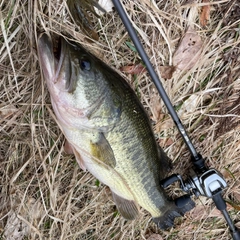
(108, 130)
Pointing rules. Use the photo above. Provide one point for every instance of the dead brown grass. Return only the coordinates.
(43, 193)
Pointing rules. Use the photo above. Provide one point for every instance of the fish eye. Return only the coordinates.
(85, 65)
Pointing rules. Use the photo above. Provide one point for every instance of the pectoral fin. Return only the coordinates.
(127, 208)
(102, 150)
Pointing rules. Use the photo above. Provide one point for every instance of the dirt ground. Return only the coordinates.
(43, 192)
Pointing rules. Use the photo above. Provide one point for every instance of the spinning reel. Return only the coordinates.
(201, 180)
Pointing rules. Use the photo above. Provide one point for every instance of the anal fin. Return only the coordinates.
(127, 208)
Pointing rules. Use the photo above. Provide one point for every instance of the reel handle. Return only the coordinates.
(169, 180)
(235, 234)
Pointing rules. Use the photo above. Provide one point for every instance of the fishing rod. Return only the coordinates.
(201, 180)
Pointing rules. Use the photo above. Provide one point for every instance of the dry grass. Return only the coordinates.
(44, 194)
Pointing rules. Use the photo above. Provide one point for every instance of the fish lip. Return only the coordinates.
(46, 57)
(59, 57)
(65, 64)
(51, 61)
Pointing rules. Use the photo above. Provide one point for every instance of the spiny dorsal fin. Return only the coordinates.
(127, 208)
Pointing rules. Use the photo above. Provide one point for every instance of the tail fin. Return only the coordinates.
(180, 207)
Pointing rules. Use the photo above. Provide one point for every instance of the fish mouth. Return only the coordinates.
(63, 57)
(58, 61)
(46, 57)
(60, 55)
(54, 57)
(57, 47)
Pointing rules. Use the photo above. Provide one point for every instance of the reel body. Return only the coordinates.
(204, 182)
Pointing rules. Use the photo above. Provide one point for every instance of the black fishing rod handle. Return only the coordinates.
(222, 206)
(236, 234)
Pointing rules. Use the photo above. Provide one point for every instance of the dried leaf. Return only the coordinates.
(166, 142)
(198, 212)
(201, 212)
(154, 237)
(236, 193)
(226, 174)
(15, 229)
(7, 111)
(188, 51)
(167, 71)
(160, 126)
(133, 69)
(155, 105)
(215, 213)
(234, 205)
(237, 196)
(205, 13)
(189, 106)
(169, 142)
